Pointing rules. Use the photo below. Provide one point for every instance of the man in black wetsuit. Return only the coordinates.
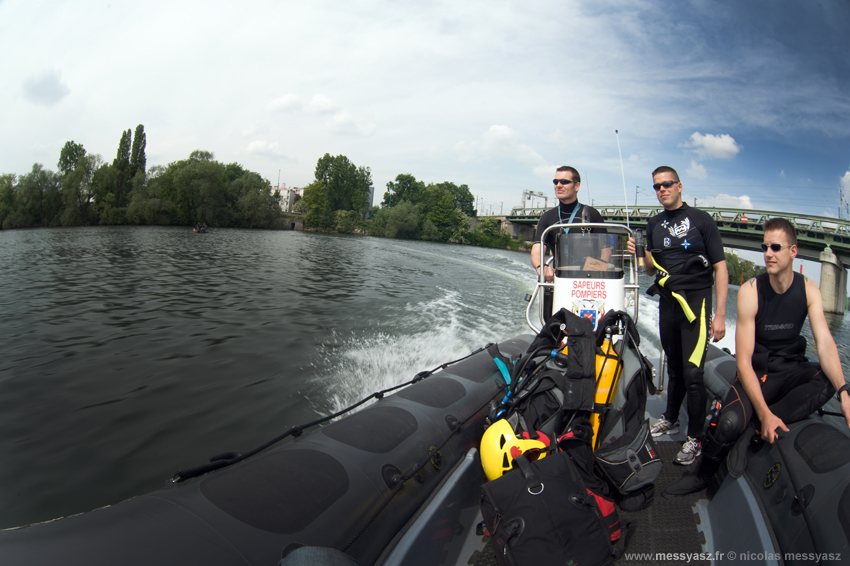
(775, 384)
(567, 184)
(685, 252)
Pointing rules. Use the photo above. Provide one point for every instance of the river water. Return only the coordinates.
(127, 353)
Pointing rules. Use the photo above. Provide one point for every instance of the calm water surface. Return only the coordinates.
(127, 353)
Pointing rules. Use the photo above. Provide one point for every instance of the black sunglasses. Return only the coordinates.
(562, 181)
(665, 184)
(774, 247)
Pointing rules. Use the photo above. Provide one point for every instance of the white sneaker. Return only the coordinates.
(689, 452)
(663, 426)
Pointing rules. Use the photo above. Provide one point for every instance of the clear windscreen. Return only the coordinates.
(591, 254)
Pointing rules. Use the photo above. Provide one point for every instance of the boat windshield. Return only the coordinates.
(591, 255)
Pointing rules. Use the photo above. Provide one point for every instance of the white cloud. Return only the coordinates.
(340, 121)
(345, 123)
(782, 174)
(268, 149)
(321, 104)
(696, 170)
(557, 137)
(503, 141)
(726, 201)
(286, 103)
(722, 146)
(46, 89)
(845, 183)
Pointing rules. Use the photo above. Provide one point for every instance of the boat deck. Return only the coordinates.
(669, 525)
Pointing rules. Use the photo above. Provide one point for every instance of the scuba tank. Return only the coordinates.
(608, 369)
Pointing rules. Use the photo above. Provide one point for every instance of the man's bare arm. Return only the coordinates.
(548, 272)
(830, 361)
(745, 343)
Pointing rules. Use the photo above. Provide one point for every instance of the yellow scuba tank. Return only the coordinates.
(608, 369)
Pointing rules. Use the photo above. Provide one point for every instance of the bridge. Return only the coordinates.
(819, 238)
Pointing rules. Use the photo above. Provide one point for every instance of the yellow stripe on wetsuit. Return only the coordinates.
(696, 355)
(682, 302)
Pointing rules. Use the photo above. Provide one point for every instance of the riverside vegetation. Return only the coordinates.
(88, 191)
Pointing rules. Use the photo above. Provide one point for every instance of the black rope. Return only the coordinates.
(217, 463)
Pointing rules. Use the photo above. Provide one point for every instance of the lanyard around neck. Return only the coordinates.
(572, 216)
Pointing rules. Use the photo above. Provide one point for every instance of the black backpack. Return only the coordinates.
(543, 399)
(540, 513)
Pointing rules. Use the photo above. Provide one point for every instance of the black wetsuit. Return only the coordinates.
(792, 387)
(561, 214)
(685, 244)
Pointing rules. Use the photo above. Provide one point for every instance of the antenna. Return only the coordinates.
(623, 171)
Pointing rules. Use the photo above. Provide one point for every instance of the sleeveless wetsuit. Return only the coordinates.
(792, 387)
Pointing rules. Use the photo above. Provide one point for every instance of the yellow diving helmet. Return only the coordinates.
(500, 445)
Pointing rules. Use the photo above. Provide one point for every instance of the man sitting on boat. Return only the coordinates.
(567, 184)
(775, 383)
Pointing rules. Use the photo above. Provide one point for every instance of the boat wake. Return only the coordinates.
(431, 333)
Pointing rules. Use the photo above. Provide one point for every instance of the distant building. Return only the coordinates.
(288, 196)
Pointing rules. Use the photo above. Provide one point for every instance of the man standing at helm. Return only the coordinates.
(567, 184)
(685, 252)
(776, 385)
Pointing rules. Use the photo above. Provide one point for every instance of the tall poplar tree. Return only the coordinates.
(121, 165)
(137, 155)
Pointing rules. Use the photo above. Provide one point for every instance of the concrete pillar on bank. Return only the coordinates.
(833, 282)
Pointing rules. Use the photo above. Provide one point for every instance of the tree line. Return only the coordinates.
(87, 191)
(338, 200)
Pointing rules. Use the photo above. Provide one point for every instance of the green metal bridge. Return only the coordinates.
(741, 229)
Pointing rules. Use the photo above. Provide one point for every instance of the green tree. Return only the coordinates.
(78, 191)
(256, 205)
(462, 199)
(317, 207)
(200, 189)
(429, 231)
(438, 206)
(488, 226)
(138, 160)
(70, 156)
(404, 188)
(400, 221)
(121, 170)
(7, 200)
(146, 206)
(41, 196)
(741, 269)
(344, 220)
(348, 186)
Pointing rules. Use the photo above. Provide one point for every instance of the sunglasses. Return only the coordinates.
(665, 184)
(562, 181)
(774, 247)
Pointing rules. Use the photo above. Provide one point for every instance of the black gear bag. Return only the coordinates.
(542, 514)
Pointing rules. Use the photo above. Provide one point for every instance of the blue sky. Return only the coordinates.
(749, 101)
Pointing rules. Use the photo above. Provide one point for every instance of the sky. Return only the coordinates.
(749, 101)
